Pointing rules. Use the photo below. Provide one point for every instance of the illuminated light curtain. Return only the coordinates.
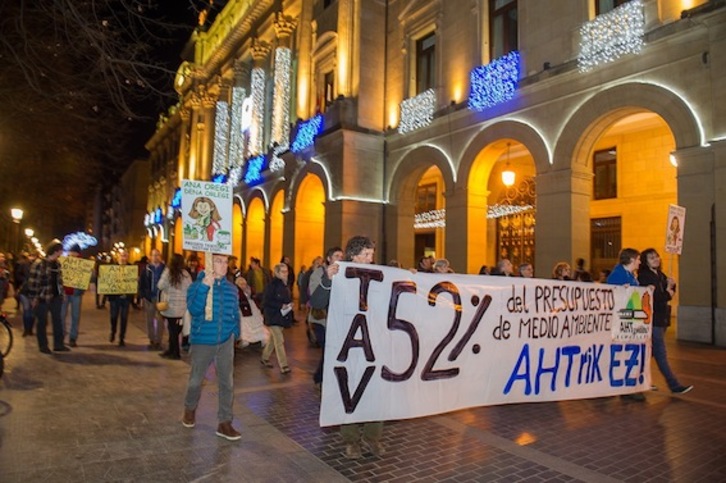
(221, 138)
(281, 102)
(258, 111)
(307, 131)
(237, 137)
(612, 35)
(495, 82)
(417, 112)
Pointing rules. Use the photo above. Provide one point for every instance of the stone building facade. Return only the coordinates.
(399, 119)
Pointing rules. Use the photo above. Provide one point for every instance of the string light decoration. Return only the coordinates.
(176, 200)
(499, 210)
(417, 112)
(235, 174)
(281, 99)
(612, 35)
(221, 138)
(276, 163)
(158, 216)
(253, 175)
(307, 131)
(258, 110)
(219, 178)
(495, 82)
(430, 219)
(237, 136)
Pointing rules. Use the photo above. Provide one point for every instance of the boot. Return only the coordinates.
(226, 431)
(188, 420)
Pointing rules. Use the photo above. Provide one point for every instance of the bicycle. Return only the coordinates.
(6, 335)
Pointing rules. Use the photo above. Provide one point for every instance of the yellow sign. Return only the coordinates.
(118, 279)
(76, 272)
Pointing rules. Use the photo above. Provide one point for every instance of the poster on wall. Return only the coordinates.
(402, 345)
(674, 229)
(206, 216)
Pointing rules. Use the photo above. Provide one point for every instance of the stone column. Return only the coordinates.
(284, 26)
(183, 162)
(206, 133)
(457, 223)
(697, 193)
(562, 232)
(260, 50)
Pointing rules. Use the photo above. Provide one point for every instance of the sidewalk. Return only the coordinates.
(104, 413)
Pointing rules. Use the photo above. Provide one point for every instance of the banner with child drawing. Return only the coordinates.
(207, 216)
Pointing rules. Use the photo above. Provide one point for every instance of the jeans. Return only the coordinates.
(74, 301)
(41, 313)
(320, 337)
(119, 306)
(277, 344)
(154, 324)
(28, 317)
(661, 357)
(223, 357)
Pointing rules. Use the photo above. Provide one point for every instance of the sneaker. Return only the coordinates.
(285, 370)
(188, 419)
(45, 350)
(267, 364)
(226, 430)
(352, 451)
(682, 389)
(62, 349)
(375, 447)
(72, 343)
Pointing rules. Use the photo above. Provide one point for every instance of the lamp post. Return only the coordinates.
(17, 215)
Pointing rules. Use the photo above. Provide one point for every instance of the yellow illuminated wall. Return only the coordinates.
(255, 231)
(276, 228)
(178, 240)
(237, 233)
(309, 220)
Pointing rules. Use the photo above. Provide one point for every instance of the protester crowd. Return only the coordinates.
(207, 312)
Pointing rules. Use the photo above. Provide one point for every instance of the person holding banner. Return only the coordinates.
(214, 330)
(663, 290)
(319, 287)
(73, 297)
(359, 249)
(120, 306)
(624, 274)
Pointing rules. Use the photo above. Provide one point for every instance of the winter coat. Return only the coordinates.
(225, 312)
(176, 296)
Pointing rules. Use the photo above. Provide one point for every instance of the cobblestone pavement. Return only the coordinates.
(104, 413)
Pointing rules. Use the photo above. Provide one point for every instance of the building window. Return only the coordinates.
(328, 89)
(503, 27)
(426, 198)
(426, 63)
(604, 6)
(605, 169)
(605, 243)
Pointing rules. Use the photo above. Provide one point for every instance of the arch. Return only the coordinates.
(603, 108)
(309, 218)
(256, 218)
(413, 165)
(509, 129)
(315, 167)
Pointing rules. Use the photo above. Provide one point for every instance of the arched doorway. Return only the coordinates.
(309, 220)
(429, 215)
(237, 218)
(255, 231)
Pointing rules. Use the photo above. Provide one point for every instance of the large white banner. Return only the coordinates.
(207, 216)
(402, 345)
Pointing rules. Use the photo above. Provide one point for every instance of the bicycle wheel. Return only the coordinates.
(6, 338)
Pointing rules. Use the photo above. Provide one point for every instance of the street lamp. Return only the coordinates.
(17, 215)
(29, 232)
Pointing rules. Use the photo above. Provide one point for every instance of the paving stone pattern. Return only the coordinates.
(104, 413)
